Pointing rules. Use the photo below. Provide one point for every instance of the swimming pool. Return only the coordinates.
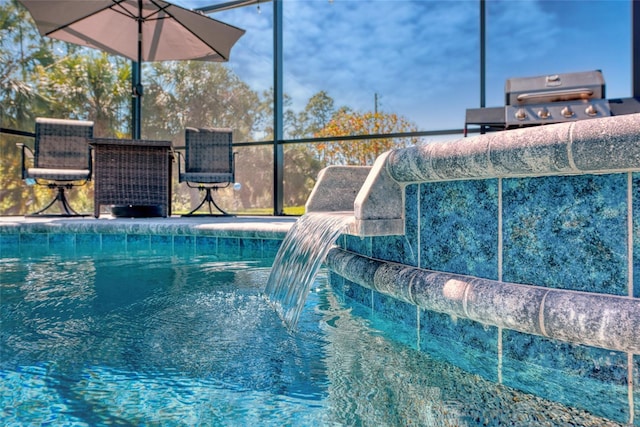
(173, 338)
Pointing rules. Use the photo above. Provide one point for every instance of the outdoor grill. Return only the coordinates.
(554, 98)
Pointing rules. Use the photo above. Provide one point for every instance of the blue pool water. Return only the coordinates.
(149, 339)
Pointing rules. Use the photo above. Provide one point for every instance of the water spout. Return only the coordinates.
(298, 260)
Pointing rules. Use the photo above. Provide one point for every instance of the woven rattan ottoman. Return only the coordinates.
(132, 172)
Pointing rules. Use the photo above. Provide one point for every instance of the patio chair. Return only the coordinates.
(61, 159)
(209, 163)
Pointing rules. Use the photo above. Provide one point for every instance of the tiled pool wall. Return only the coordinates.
(567, 232)
(36, 239)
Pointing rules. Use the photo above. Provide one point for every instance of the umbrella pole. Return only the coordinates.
(136, 94)
(136, 76)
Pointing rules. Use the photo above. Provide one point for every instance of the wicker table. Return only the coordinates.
(133, 173)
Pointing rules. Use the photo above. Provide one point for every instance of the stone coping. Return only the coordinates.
(266, 227)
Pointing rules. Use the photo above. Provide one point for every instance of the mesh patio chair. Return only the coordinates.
(61, 158)
(209, 163)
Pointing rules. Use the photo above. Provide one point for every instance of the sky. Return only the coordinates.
(421, 58)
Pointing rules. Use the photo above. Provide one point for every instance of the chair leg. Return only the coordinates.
(208, 199)
(61, 198)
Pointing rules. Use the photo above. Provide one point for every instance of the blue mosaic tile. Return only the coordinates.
(395, 310)
(59, 242)
(636, 387)
(251, 248)
(395, 249)
(206, 245)
(161, 243)
(636, 237)
(462, 342)
(270, 247)
(358, 245)
(459, 227)
(88, 243)
(402, 249)
(337, 284)
(9, 244)
(412, 221)
(229, 246)
(184, 245)
(138, 242)
(35, 244)
(114, 243)
(357, 293)
(595, 377)
(566, 232)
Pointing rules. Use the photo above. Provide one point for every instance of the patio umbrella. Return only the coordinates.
(141, 30)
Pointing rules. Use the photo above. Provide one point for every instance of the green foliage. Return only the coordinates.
(40, 77)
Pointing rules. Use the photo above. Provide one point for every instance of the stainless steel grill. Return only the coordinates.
(555, 98)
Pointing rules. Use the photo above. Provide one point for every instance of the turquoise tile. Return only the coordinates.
(59, 242)
(462, 342)
(358, 245)
(636, 237)
(229, 246)
(459, 227)
(9, 244)
(206, 245)
(270, 247)
(34, 244)
(412, 223)
(161, 243)
(357, 293)
(184, 245)
(138, 243)
(88, 243)
(251, 248)
(591, 378)
(636, 387)
(395, 310)
(114, 243)
(337, 284)
(395, 249)
(566, 232)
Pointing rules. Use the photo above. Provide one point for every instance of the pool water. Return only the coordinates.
(191, 340)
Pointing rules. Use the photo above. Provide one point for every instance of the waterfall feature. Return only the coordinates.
(298, 260)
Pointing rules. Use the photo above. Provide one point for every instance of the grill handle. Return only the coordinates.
(560, 95)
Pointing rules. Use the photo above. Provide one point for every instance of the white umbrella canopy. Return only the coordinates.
(141, 30)
(167, 32)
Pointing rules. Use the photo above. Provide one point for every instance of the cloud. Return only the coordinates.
(420, 56)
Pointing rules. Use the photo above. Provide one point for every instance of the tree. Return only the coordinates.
(361, 152)
(198, 94)
(314, 117)
(89, 86)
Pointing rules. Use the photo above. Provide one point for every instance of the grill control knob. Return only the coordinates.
(567, 112)
(544, 113)
(591, 110)
(521, 114)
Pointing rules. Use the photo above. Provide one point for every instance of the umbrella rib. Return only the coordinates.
(186, 27)
(118, 8)
(162, 7)
(159, 9)
(68, 24)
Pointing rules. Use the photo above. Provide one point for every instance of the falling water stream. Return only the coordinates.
(298, 260)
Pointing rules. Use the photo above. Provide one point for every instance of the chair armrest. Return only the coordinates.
(27, 153)
(233, 167)
(181, 160)
(90, 162)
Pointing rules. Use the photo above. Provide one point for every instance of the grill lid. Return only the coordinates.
(584, 85)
